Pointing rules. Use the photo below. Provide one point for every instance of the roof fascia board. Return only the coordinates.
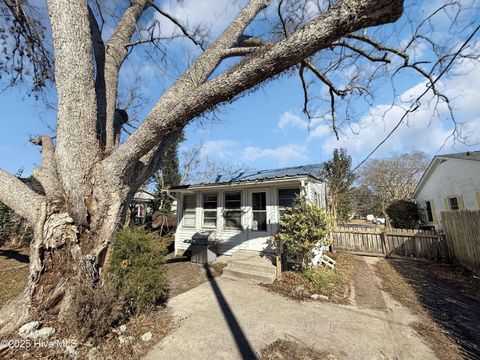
(243, 183)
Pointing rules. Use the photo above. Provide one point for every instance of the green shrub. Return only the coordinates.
(137, 269)
(404, 214)
(302, 229)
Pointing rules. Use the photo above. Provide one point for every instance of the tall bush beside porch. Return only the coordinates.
(303, 228)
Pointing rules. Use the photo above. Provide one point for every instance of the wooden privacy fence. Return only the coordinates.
(391, 242)
(462, 232)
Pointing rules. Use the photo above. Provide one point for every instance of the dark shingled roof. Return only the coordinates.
(314, 170)
(469, 155)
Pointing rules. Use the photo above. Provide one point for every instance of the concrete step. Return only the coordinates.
(264, 267)
(241, 274)
(251, 255)
(245, 254)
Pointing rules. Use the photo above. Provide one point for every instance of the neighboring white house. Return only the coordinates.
(451, 182)
(142, 206)
(244, 209)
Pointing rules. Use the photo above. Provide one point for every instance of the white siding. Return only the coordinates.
(317, 190)
(231, 240)
(451, 178)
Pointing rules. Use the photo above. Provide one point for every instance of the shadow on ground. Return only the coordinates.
(15, 255)
(449, 301)
(238, 334)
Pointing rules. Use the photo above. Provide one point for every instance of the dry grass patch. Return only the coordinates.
(396, 285)
(322, 281)
(293, 350)
(184, 275)
(13, 273)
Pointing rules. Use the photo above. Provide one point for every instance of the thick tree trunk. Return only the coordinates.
(61, 256)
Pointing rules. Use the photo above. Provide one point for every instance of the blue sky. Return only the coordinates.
(267, 128)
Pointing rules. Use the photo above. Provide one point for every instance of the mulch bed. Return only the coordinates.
(322, 281)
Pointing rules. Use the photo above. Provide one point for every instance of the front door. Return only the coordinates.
(259, 219)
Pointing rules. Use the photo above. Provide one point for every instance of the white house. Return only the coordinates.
(451, 182)
(142, 206)
(244, 209)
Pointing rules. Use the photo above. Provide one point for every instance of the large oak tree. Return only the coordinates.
(88, 176)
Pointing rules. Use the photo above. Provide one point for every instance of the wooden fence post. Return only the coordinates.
(278, 261)
(383, 236)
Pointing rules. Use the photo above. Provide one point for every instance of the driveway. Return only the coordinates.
(227, 319)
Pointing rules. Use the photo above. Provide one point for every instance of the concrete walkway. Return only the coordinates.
(228, 319)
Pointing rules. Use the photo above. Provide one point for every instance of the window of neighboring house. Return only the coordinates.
(233, 210)
(286, 199)
(259, 209)
(210, 210)
(189, 205)
(428, 207)
(453, 203)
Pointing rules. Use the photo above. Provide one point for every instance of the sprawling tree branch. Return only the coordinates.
(238, 51)
(122, 161)
(153, 160)
(19, 197)
(46, 174)
(180, 104)
(77, 144)
(116, 53)
(100, 89)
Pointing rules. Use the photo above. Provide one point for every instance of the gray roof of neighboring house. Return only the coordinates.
(469, 155)
(314, 170)
(143, 195)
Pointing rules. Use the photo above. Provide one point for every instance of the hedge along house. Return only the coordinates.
(244, 209)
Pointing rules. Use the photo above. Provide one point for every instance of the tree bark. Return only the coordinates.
(77, 148)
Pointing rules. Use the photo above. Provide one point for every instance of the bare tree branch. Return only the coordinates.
(359, 51)
(99, 56)
(116, 53)
(19, 197)
(416, 104)
(46, 174)
(196, 75)
(346, 17)
(178, 24)
(238, 51)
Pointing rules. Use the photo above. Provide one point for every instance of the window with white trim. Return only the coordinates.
(453, 201)
(286, 199)
(210, 210)
(259, 209)
(189, 205)
(233, 210)
(428, 208)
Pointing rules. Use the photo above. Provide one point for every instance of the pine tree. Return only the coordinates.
(339, 178)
